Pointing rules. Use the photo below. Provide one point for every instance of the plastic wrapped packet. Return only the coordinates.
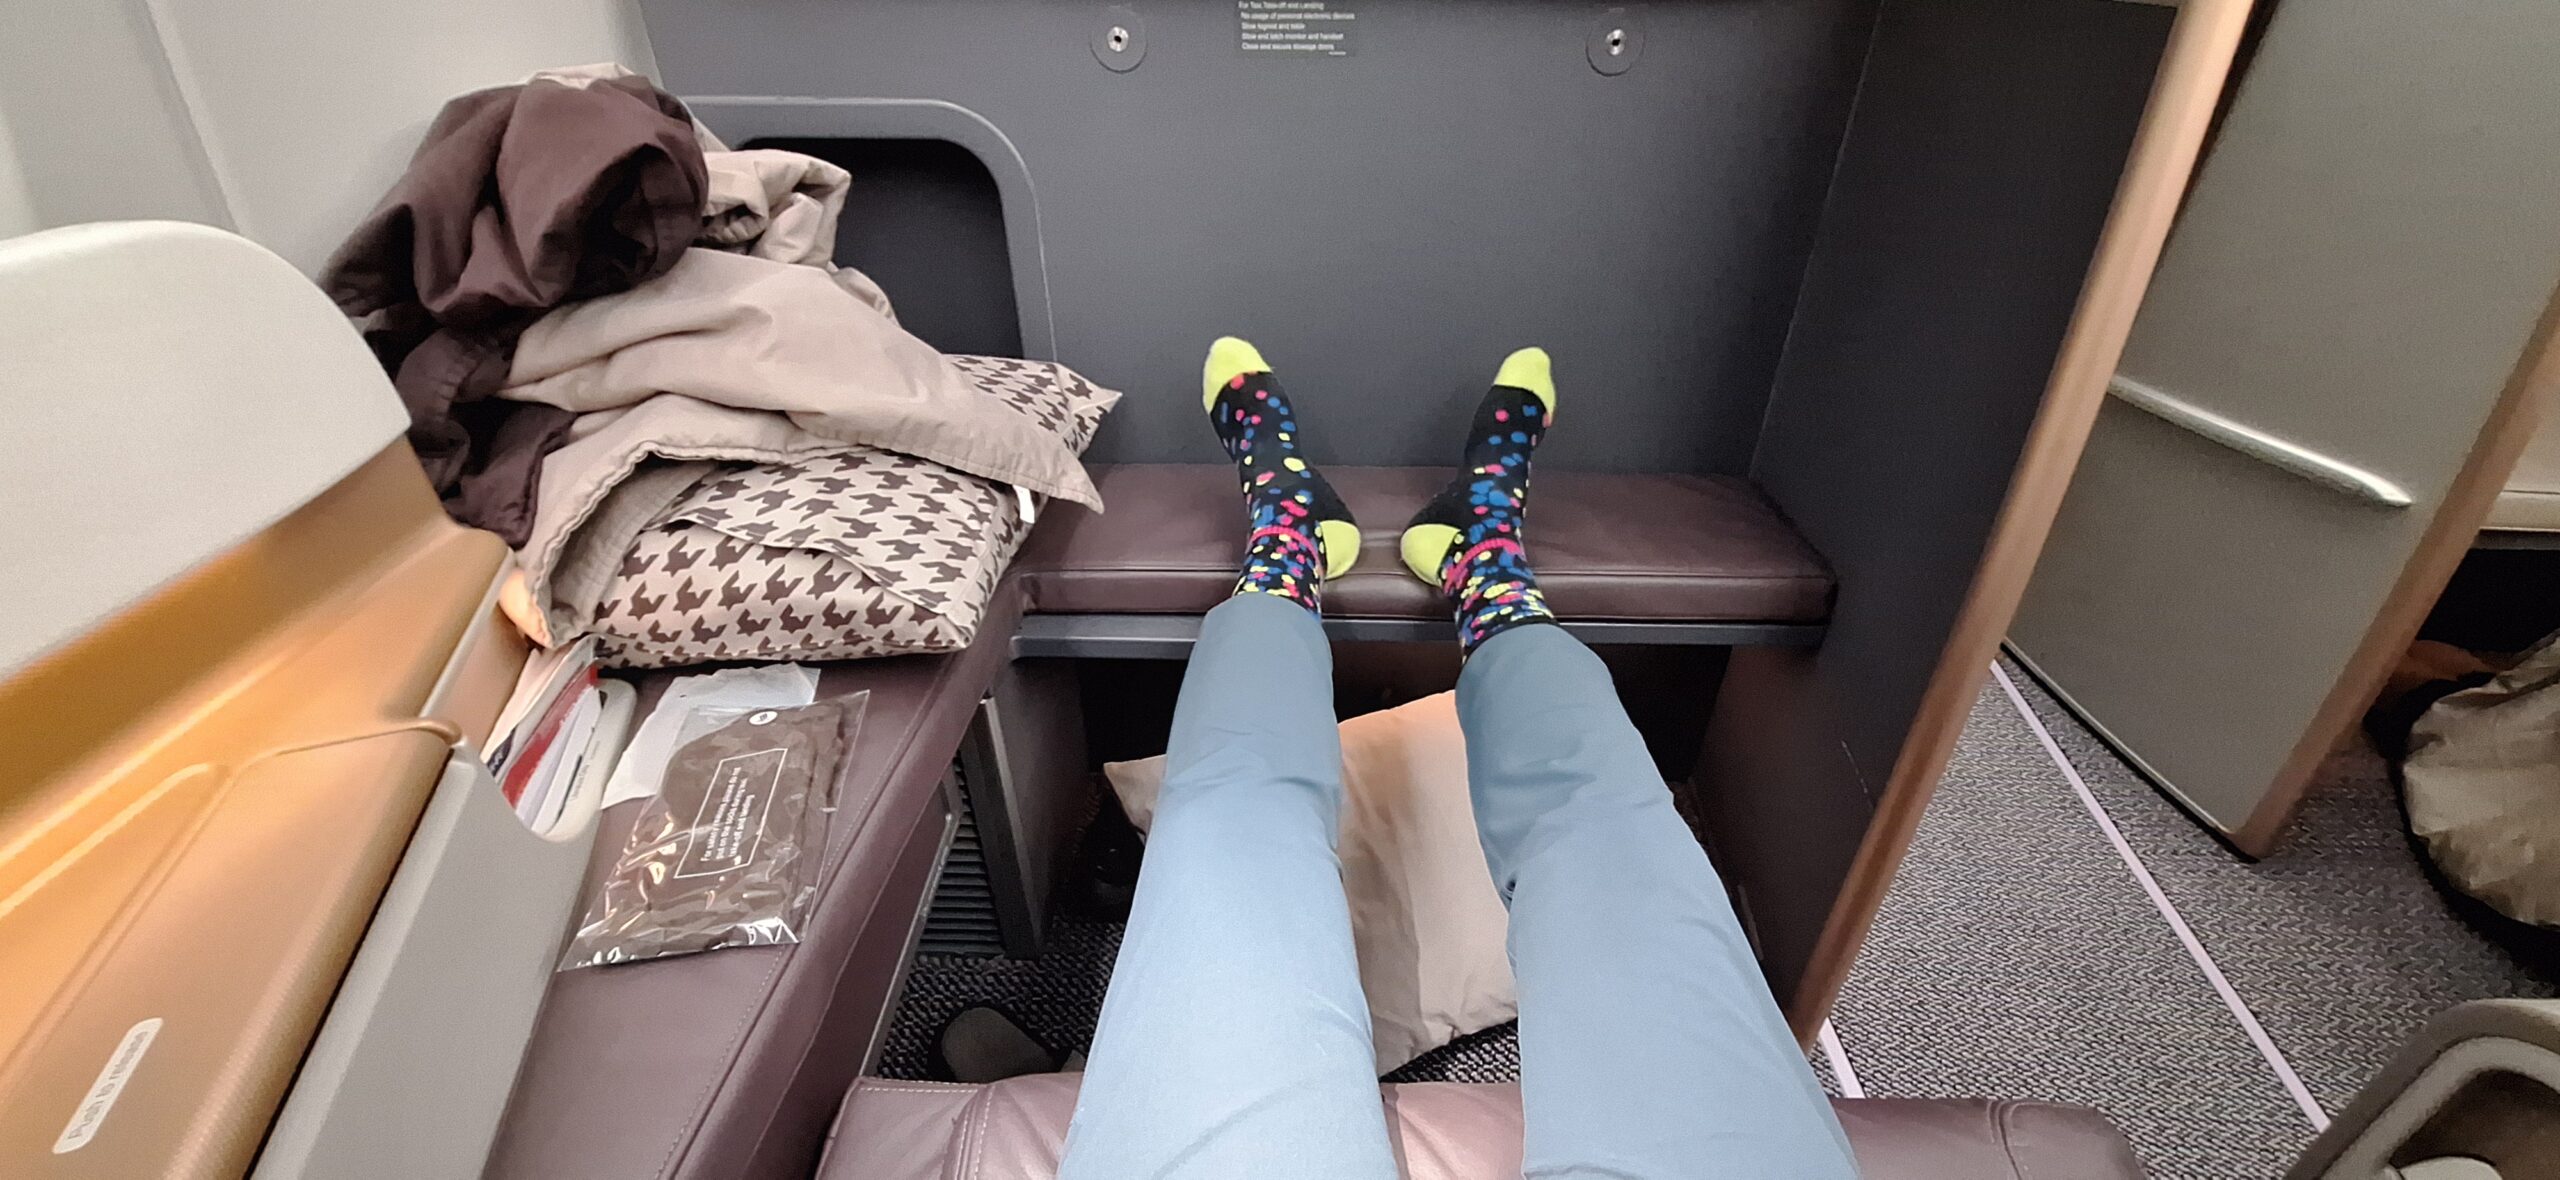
(761, 686)
(729, 852)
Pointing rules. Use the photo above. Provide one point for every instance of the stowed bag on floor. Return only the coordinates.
(728, 853)
(2483, 783)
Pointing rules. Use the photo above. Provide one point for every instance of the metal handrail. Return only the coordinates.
(2292, 457)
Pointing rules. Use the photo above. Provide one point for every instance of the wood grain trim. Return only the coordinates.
(2188, 86)
(2467, 502)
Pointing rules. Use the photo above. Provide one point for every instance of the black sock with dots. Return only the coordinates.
(1469, 540)
(1302, 533)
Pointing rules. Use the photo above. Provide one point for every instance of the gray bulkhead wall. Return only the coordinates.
(1385, 224)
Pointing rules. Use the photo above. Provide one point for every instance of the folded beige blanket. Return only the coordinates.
(735, 357)
(773, 204)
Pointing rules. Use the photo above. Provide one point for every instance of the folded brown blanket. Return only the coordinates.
(521, 198)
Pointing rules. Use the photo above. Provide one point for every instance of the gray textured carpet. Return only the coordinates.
(2337, 942)
(1055, 997)
(2019, 957)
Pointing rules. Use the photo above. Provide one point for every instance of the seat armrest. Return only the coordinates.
(730, 1064)
(1016, 1129)
(2481, 1080)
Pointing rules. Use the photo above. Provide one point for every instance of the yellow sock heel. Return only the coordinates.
(1341, 542)
(1426, 549)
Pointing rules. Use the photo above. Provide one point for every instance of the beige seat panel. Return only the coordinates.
(171, 390)
(215, 687)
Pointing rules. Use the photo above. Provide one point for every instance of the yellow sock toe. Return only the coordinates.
(1228, 357)
(1528, 369)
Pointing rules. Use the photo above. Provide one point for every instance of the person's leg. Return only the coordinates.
(1649, 1044)
(1235, 1039)
(1650, 1047)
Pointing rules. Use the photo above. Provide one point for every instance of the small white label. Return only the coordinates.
(1295, 28)
(93, 1109)
(728, 827)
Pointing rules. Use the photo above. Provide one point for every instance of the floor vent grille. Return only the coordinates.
(963, 918)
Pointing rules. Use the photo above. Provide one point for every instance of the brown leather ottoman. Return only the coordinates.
(1610, 547)
(1013, 1130)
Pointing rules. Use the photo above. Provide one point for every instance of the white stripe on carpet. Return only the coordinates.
(2169, 912)
(1838, 1055)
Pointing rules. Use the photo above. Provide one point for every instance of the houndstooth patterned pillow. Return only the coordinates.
(862, 553)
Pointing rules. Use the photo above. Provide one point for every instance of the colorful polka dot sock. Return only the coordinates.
(1302, 533)
(1467, 541)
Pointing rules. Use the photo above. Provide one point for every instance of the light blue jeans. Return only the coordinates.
(1235, 1041)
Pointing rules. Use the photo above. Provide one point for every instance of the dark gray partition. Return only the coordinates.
(1976, 174)
(1385, 224)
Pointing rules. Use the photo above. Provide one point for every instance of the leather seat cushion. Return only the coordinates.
(1608, 547)
(1013, 1130)
(732, 1064)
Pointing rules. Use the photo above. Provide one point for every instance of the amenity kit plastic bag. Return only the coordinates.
(728, 853)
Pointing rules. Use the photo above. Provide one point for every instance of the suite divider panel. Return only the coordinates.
(1971, 190)
(1898, 320)
(2001, 199)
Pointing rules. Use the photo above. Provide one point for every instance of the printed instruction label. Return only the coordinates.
(729, 824)
(102, 1095)
(1319, 28)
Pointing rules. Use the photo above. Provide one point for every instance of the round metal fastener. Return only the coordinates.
(1119, 39)
(1614, 42)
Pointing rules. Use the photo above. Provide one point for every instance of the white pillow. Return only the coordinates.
(1425, 919)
